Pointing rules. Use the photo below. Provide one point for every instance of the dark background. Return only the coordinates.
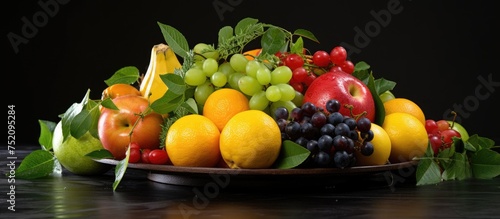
(435, 51)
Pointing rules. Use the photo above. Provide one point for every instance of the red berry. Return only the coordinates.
(338, 55)
(158, 156)
(347, 66)
(431, 126)
(134, 145)
(321, 58)
(298, 86)
(299, 74)
(135, 155)
(336, 68)
(309, 79)
(294, 61)
(436, 143)
(447, 136)
(443, 125)
(145, 155)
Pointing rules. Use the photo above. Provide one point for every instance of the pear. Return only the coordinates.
(71, 153)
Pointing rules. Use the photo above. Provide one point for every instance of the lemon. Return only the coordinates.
(71, 153)
(250, 139)
(408, 136)
(381, 148)
(193, 141)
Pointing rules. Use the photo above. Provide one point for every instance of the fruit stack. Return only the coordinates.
(228, 106)
(183, 114)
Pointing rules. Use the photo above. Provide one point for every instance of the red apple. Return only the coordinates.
(344, 87)
(115, 126)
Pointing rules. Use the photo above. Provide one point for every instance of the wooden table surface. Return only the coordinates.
(73, 196)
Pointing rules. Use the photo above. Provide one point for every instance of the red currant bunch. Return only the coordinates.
(306, 68)
(148, 156)
(440, 134)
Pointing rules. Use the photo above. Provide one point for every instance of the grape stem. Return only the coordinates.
(351, 107)
(454, 117)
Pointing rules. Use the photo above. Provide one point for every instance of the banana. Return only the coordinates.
(163, 61)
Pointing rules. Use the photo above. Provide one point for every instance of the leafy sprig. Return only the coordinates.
(79, 118)
(473, 158)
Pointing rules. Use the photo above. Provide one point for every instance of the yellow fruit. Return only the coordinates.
(223, 104)
(403, 105)
(162, 61)
(408, 136)
(193, 141)
(251, 139)
(382, 148)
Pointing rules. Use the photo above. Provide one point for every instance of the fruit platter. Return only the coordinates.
(291, 178)
(269, 114)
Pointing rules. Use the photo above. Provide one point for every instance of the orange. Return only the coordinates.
(251, 54)
(223, 104)
(381, 148)
(404, 105)
(193, 141)
(251, 139)
(116, 90)
(408, 136)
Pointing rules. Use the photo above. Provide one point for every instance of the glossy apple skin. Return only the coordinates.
(114, 126)
(344, 87)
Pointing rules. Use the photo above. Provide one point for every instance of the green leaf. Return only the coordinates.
(108, 103)
(272, 40)
(361, 66)
(244, 26)
(455, 167)
(168, 102)
(71, 113)
(382, 85)
(125, 75)
(428, 172)
(306, 34)
(81, 124)
(291, 155)
(379, 105)
(362, 71)
(225, 33)
(429, 152)
(468, 146)
(37, 164)
(447, 153)
(175, 83)
(191, 106)
(94, 110)
(480, 142)
(120, 169)
(298, 46)
(100, 154)
(485, 164)
(83, 117)
(45, 138)
(175, 40)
